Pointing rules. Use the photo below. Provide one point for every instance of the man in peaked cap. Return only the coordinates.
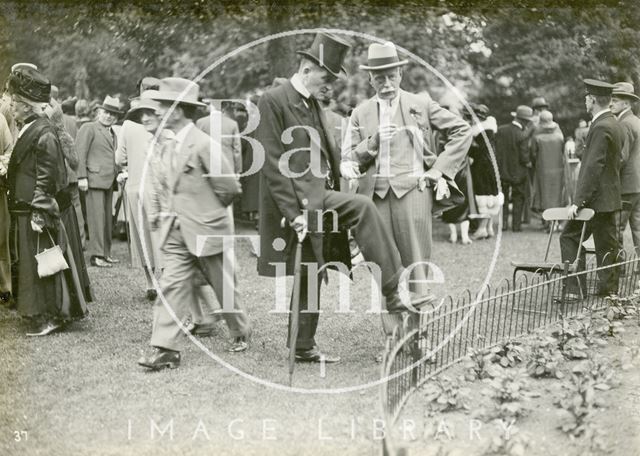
(622, 98)
(96, 147)
(299, 187)
(598, 188)
(388, 143)
(512, 155)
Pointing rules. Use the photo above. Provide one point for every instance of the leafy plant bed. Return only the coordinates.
(569, 391)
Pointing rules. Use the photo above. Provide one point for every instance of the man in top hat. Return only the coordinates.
(598, 188)
(299, 188)
(512, 155)
(387, 139)
(96, 146)
(622, 97)
(190, 209)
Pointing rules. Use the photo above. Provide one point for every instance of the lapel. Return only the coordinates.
(24, 142)
(407, 118)
(186, 148)
(106, 132)
(371, 116)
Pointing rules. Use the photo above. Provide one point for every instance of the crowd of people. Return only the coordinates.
(184, 176)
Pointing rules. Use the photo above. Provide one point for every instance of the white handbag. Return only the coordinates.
(50, 261)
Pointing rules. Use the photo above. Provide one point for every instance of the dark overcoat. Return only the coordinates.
(599, 180)
(285, 132)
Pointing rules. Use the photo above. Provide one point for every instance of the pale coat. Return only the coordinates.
(230, 138)
(198, 202)
(630, 172)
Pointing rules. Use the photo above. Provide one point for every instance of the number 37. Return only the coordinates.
(19, 436)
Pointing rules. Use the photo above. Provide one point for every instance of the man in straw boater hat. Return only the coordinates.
(388, 142)
(96, 147)
(299, 186)
(37, 180)
(195, 216)
(622, 97)
(598, 188)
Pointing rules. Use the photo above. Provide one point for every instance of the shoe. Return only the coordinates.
(100, 262)
(161, 358)
(239, 344)
(112, 260)
(45, 328)
(395, 303)
(206, 330)
(151, 294)
(314, 355)
(466, 241)
(478, 235)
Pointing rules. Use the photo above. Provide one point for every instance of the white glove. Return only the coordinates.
(122, 177)
(349, 170)
(442, 189)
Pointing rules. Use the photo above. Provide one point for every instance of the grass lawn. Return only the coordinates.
(81, 392)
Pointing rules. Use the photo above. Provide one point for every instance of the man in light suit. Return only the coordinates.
(96, 146)
(387, 140)
(622, 97)
(229, 135)
(192, 220)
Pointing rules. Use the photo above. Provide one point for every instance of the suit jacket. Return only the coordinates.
(287, 127)
(599, 180)
(630, 173)
(230, 139)
(189, 195)
(96, 146)
(364, 123)
(512, 152)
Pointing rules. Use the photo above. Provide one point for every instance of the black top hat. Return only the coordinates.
(30, 83)
(598, 88)
(328, 51)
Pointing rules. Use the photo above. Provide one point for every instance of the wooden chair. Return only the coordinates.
(555, 215)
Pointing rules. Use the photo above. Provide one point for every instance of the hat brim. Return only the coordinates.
(137, 110)
(318, 62)
(384, 67)
(633, 96)
(110, 109)
(176, 97)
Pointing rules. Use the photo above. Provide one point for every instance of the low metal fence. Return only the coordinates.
(427, 344)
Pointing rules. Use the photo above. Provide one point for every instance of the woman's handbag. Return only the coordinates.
(50, 261)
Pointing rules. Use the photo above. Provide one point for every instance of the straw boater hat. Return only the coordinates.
(181, 90)
(328, 51)
(112, 105)
(382, 56)
(624, 90)
(29, 83)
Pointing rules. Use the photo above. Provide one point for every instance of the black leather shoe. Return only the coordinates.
(161, 358)
(206, 330)
(100, 262)
(151, 294)
(112, 260)
(314, 355)
(44, 329)
(239, 344)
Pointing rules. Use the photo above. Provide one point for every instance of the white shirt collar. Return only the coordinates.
(598, 114)
(390, 105)
(297, 84)
(517, 124)
(24, 128)
(624, 111)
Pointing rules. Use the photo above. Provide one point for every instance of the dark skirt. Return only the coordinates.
(460, 213)
(57, 297)
(70, 222)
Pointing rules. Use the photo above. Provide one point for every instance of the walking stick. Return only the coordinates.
(295, 305)
(127, 228)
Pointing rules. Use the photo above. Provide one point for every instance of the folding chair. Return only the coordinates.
(555, 215)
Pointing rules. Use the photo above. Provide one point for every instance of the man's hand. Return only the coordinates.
(299, 224)
(572, 212)
(384, 133)
(83, 184)
(122, 177)
(350, 170)
(429, 178)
